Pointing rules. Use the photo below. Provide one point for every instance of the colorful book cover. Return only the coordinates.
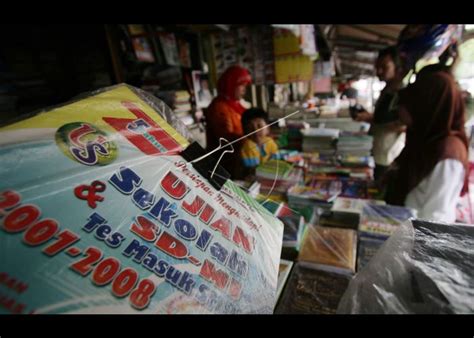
(331, 247)
(368, 247)
(292, 230)
(352, 205)
(274, 169)
(354, 189)
(382, 220)
(327, 194)
(100, 214)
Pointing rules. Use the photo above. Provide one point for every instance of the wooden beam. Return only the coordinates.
(359, 44)
(114, 53)
(370, 31)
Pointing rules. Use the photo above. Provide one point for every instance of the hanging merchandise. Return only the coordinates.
(285, 42)
(103, 209)
(291, 63)
(293, 68)
(308, 41)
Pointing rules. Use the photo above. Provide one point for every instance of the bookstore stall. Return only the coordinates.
(110, 202)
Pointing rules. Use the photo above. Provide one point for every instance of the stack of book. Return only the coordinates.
(315, 159)
(377, 223)
(328, 111)
(355, 167)
(273, 207)
(250, 187)
(321, 195)
(277, 176)
(295, 137)
(340, 172)
(352, 161)
(345, 213)
(320, 140)
(352, 188)
(333, 249)
(360, 166)
(312, 291)
(343, 124)
(380, 221)
(294, 227)
(355, 188)
(183, 108)
(356, 144)
(291, 156)
(293, 231)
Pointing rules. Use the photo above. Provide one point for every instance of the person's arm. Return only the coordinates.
(364, 116)
(396, 126)
(437, 195)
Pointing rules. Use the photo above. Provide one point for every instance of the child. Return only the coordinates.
(258, 148)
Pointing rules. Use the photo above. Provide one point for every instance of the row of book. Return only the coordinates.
(179, 101)
(329, 141)
(276, 177)
(333, 226)
(323, 191)
(333, 249)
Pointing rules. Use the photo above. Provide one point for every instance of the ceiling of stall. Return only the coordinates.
(355, 47)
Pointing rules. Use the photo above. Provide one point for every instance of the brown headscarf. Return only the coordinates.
(437, 132)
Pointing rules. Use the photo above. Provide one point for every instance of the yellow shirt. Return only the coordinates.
(252, 154)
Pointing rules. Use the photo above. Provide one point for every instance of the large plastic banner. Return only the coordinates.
(100, 214)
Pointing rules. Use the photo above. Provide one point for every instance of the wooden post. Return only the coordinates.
(114, 54)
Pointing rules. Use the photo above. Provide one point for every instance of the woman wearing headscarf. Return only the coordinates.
(431, 172)
(223, 116)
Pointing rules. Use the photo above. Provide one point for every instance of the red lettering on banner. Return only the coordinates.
(243, 240)
(173, 186)
(172, 246)
(8, 199)
(235, 289)
(145, 228)
(218, 277)
(195, 207)
(222, 225)
(12, 283)
(207, 214)
(158, 142)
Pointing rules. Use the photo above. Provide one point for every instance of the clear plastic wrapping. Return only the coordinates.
(424, 267)
(331, 248)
